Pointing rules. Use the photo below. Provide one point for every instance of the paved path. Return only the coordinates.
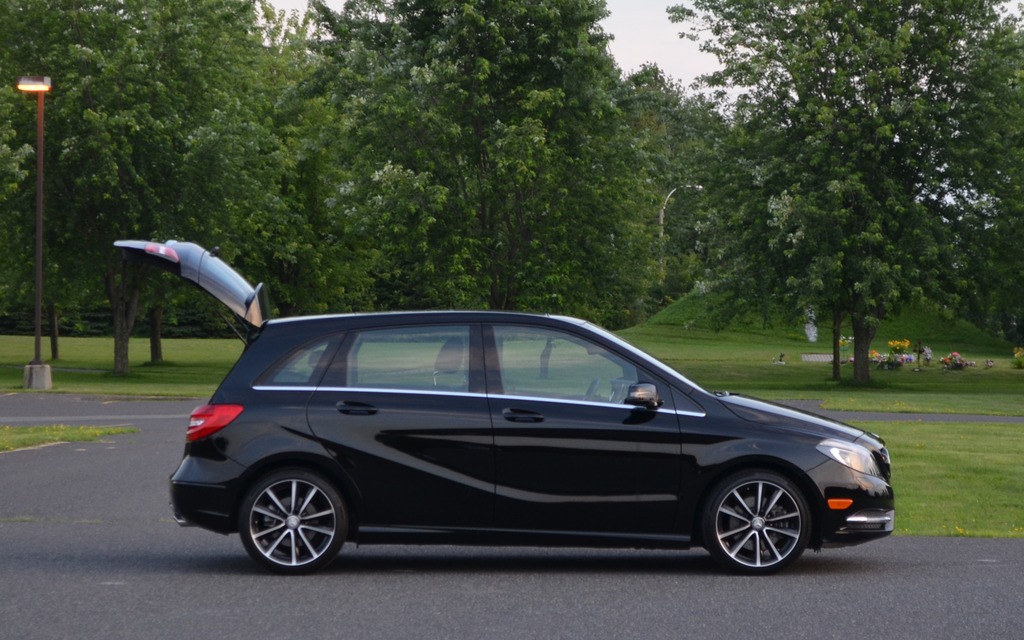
(814, 406)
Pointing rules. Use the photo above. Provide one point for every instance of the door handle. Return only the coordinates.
(519, 415)
(351, 408)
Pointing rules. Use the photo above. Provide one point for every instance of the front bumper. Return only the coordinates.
(871, 513)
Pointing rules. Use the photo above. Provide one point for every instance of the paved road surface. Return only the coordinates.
(88, 550)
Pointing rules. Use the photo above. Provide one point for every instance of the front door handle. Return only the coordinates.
(519, 415)
(351, 408)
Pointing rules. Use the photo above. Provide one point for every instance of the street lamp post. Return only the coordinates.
(661, 236)
(37, 374)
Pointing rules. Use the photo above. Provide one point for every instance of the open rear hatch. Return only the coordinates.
(205, 270)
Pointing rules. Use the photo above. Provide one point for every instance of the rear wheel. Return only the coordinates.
(293, 521)
(756, 522)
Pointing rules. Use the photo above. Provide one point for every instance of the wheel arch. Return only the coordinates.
(324, 467)
(754, 464)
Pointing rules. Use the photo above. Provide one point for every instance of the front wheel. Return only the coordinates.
(756, 522)
(292, 521)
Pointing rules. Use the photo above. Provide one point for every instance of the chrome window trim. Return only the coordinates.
(463, 394)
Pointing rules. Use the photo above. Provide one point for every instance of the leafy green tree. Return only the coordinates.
(488, 161)
(13, 170)
(985, 257)
(852, 119)
(148, 126)
(298, 238)
(677, 135)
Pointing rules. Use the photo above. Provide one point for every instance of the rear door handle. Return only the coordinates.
(519, 415)
(351, 408)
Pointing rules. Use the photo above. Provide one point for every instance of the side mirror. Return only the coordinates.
(643, 394)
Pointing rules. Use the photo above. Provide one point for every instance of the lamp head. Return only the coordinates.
(34, 84)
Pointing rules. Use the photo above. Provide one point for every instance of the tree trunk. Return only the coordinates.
(863, 334)
(123, 293)
(156, 350)
(837, 336)
(54, 332)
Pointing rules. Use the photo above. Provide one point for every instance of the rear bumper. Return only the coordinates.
(204, 493)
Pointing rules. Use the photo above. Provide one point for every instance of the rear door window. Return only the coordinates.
(431, 358)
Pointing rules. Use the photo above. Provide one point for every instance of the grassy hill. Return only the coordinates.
(737, 356)
(932, 326)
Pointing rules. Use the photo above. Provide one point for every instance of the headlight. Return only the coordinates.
(851, 455)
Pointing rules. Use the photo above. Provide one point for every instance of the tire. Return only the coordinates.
(293, 521)
(756, 522)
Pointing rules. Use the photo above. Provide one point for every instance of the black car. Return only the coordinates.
(494, 428)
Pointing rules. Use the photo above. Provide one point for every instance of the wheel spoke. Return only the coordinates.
(276, 543)
(732, 532)
(784, 516)
(791, 533)
(314, 554)
(743, 503)
(771, 547)
(729, 512)
(773, 502)
(319, 514)
(268, 513)
(305, 503)
(736, 548)
(324, 531)
(260, 534)
(273, 498)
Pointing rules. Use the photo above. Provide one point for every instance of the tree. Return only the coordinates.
(12, 173)
(669, 129)
(298, 237)
(148, 127)
(858, 114)
(488, 161)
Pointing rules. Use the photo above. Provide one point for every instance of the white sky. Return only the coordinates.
(642, 34)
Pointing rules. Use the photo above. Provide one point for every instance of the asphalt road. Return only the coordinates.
(88, 550)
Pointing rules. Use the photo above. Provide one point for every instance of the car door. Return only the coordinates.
(403, 410)
(569, 455)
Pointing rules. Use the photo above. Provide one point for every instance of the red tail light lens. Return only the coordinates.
(163, 251)
(211, 418)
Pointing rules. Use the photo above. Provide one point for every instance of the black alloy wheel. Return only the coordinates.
(293, 521)
(756, 522)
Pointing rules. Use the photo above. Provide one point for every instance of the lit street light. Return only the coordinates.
(37, 374)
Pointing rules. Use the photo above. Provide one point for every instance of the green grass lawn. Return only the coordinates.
(192, 368)
(955, 479)
(12, 438)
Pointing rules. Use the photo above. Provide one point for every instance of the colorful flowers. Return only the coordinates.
(955, 361)
(899, 346)
(896, 357)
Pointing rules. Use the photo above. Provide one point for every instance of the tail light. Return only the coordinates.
(211, 418)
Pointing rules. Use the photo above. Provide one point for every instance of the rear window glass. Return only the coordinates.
(301, 368)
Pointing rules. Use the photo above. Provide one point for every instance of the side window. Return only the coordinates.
(413, 358)
(552, 364)
(301, 368)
